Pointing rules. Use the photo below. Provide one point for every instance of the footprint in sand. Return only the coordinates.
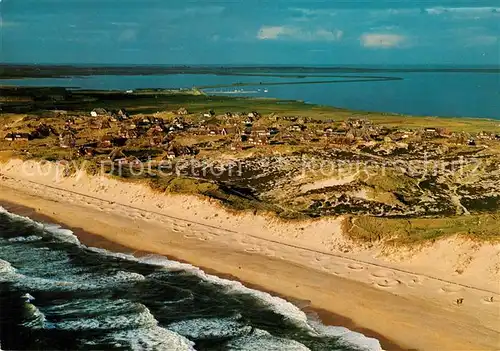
(383, 274)
(387, 283)
(248, 242)
(208, 236)
(331, 268)
(451, 289)
(355, 267)
(215, 233)
(190, 236)
(319, 260)
(414, 281)
(488, 300)
(270, 253)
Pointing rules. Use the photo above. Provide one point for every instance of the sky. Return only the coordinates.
(347, 32)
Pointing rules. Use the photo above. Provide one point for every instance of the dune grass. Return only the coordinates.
(420, 230)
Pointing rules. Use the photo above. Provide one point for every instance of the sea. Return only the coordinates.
(467, 93)
(56, 293)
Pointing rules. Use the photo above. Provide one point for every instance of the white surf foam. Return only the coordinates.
(210, 328)
(262, 340)
(56, 230)
(31, 238)
(157, 338)
(142, 319)
(347, 337)
(6, 269)
(278, 305)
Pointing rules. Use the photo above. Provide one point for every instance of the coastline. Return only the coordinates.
(377, 297)
(98, 241)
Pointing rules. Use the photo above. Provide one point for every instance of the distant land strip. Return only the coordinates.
(19, 71)
(364, 79)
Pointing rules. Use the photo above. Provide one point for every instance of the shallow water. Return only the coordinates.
(455, 94)
(56, 293)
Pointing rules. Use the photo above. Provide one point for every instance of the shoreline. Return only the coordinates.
(98, 241)
(406, 296)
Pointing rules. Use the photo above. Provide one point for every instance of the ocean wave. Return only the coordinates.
(36, 319)
(143, 319)
(56, 230)
(93, 307)
(86, 282)
(210, 328)
(346, 337)
(157, 338)
(31, 238)
(276, 304)
(262, 340)
(6, 268)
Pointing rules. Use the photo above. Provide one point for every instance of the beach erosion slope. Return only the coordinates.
(407, 295)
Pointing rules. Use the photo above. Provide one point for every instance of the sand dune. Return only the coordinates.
(406, 295)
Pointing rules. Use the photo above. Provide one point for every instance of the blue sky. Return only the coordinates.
(258, 32)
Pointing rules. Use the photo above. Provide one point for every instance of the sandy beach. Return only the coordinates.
(405, 298)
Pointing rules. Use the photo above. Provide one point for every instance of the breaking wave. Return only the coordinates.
(151, 302)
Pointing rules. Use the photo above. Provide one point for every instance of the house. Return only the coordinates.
(99, 112)
(157, 129)
(156, 140)
(18, 137)
(262, 140)
(42, 131)
(209, 114)
(122, 113)
(262, 132)
(67, 140)
(106, 141)
(116, 154)
(273, 131)
(170, 155)
(297, 128)
(131, 134)
(253, 115)
(213, 131)
(228, 131)
(86, 151)
(182, 111)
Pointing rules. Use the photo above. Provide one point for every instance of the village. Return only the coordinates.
(173, 134)
(378, 165)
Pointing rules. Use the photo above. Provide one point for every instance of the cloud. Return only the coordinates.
(127, 35)
(314, 12)
(382, 41)
(125, 24)
(482, 40)
(297, 33)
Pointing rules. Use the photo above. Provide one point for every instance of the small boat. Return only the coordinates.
(265, 90)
